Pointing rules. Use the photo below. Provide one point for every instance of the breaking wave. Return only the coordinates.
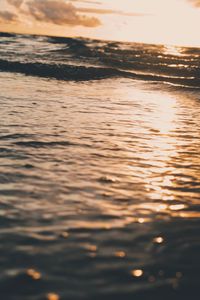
(85, 59)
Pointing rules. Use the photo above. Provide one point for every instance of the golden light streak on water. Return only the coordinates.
(177, 206)
(53, 296)
(33, 274)
(172, 50)
(137, 273)
(120, 254)
(163, 120)
(158, 240)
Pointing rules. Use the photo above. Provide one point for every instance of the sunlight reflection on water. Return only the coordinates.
(172, 50)
(97, 174)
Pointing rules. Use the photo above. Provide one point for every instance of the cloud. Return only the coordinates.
(15, 3)
(7, 16)
(195, 2)
(108, 11)
(87, 1)
(58, 12)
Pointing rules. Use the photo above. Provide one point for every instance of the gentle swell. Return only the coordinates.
(60, 72)
(82, 73)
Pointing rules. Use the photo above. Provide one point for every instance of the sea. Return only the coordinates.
(99, 170)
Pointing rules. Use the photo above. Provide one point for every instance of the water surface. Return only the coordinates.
(99, 179)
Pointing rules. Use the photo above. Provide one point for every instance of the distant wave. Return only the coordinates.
(5, 34)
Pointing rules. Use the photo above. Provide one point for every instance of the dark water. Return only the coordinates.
(99, 179)
(82, 59)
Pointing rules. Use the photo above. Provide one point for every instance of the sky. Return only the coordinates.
(175, 22)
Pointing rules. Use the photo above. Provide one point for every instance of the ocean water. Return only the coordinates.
(99, 170)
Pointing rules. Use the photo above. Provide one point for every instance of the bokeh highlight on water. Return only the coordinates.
(99, 179)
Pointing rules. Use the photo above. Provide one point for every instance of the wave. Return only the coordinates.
(83, 73)
(60, 72)
(7, 35)
(81, 59)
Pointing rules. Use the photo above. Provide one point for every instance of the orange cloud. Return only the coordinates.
(58, 12)
(108, 11)
(7, 16)
(195, 2)
(15, 3)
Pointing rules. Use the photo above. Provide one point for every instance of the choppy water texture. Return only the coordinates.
(99, 179)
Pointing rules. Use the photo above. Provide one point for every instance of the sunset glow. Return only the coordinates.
(150, 21)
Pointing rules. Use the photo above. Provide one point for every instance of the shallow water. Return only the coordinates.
(99, 189)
